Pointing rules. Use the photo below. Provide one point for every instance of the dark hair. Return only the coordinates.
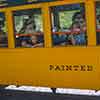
(26, 23)
(2, 23)
(77, 13)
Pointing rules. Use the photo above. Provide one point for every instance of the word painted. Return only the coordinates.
(70, 67)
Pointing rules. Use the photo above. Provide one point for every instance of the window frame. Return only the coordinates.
(89, 6)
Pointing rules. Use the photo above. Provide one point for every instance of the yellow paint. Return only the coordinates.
(2, 10)
(9, 19)
(62, 2)
(91, 22)
(30, 66)
(23, 7)
(47, 26)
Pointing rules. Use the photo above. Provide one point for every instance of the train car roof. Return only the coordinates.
(8, 3)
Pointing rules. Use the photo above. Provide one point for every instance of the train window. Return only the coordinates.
(28, 27)
(3, 32)
(98, 22)
(68, 25)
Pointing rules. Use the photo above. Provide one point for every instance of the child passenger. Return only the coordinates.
(98, 21)
(25, 44)
(35, 42)
(79, 25)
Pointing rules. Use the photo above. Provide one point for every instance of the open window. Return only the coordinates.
(28, 28)
(68, 25)
(3, 32)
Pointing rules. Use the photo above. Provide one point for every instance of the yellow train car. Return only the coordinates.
(51, 44)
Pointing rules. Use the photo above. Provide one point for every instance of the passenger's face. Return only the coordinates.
(34, 39)
(75, 26)
(23, 43)
(29, 29)
(80, 20)
(79, 16)
(98, 20)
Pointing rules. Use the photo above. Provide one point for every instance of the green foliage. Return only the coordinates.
(66, 18)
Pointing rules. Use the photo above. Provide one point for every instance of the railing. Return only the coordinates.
(41, 33)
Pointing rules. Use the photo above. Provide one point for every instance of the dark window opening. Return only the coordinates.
(28, 28)
(68, 25)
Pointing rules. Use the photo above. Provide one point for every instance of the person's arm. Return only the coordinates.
(72, 39)
(37, 45)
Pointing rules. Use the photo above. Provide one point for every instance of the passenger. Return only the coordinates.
(79, 25)
(79, 18)
(83, 26)
(25, 43)
(75, 27)
(35, 42)
(3, 33)
(59, 39)
(98, 21)
(28, 26)
(78, 39)
(98, 28)
(2, 25)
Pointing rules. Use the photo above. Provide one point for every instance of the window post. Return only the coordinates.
(91, 24)
(9, 19)
(46, 25)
